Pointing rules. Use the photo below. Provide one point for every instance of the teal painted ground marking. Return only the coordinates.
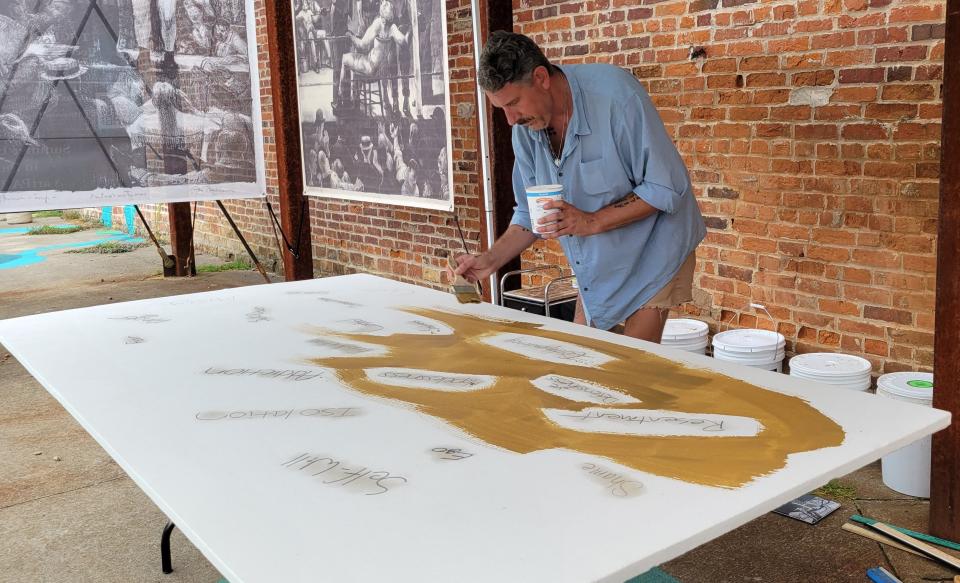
(106, 216)
(654, 575)
(129, 215)
(32, 256)
(25, 230)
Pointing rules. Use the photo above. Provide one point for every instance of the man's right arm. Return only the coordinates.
(509, 245)
(518, 236)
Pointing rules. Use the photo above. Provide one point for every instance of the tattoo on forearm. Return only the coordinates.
(625, 201)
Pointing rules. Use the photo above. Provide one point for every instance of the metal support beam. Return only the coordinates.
(945, 466)
(297, 264)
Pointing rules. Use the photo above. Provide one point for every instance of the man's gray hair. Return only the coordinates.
(509, 57)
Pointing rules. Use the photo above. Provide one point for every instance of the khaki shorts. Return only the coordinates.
(678, 290)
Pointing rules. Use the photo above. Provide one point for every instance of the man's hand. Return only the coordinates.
(473, 267)
(568, 220)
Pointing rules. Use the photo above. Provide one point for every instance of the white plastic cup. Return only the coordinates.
(907, 470)
(537, 197)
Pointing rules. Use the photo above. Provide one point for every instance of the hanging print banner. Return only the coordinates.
(374, 100)
(106, 102)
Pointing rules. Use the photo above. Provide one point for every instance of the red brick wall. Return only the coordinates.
(812, 134)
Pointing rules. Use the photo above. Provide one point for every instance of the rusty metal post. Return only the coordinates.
(294, 211)
(945, 466)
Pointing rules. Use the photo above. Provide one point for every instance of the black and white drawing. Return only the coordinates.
(374, 100)
(127, 101)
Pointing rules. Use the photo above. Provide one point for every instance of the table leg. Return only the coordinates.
(165, 562)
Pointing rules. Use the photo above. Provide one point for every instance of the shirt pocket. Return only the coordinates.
(593, 177)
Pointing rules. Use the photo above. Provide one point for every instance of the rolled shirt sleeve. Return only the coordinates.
(648, 154)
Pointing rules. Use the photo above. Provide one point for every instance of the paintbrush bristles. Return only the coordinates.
(465, 291)
(468, 297)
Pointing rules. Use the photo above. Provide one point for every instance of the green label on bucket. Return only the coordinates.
(921, 384)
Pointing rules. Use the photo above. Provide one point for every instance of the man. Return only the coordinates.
(628, 222)
(305, 16)
(401, 58)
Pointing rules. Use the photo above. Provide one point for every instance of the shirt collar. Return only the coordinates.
(578, 121)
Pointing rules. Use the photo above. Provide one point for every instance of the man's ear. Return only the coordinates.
(541, 76)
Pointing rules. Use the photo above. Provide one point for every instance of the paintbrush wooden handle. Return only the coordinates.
(918, 545)
(879, 538)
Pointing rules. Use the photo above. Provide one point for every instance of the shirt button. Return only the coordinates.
(578, 263)
(586, 289)
(561, 173)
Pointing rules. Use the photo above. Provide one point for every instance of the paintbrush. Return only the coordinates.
(465, 291)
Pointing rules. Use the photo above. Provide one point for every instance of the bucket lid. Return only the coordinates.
(830, 364)
(684, 329)
(748, 340)
(916, 385)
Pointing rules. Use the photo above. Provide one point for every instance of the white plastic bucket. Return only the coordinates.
(907, 470)
(685, 334)
(750, 347)
(840, 370)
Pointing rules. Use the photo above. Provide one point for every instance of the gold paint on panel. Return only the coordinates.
(508, 414)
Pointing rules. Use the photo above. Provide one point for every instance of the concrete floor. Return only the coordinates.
(69, 514)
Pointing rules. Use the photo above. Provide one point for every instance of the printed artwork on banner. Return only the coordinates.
(374, 100)
(108, 102)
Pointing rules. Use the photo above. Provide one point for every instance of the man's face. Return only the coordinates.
(526, 103)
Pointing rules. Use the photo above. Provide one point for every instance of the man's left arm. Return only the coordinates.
(654, 166)
(574, 221)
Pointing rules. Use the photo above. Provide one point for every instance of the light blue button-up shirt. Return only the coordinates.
(615, 144)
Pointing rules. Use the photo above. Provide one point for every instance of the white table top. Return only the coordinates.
(226, 410)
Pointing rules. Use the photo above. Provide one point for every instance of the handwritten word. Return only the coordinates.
(359, 480)
(594, 393)
(429, 378)
(709, 424)
(341, 302)
(363, 325)
(341, 346)
(564, 353)
(258, 314)
(450, 454)
(133, 340)
(277, 414)
(617, 484)
(292, 375)
(414, 378)
(426, 327)
(146, 318)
